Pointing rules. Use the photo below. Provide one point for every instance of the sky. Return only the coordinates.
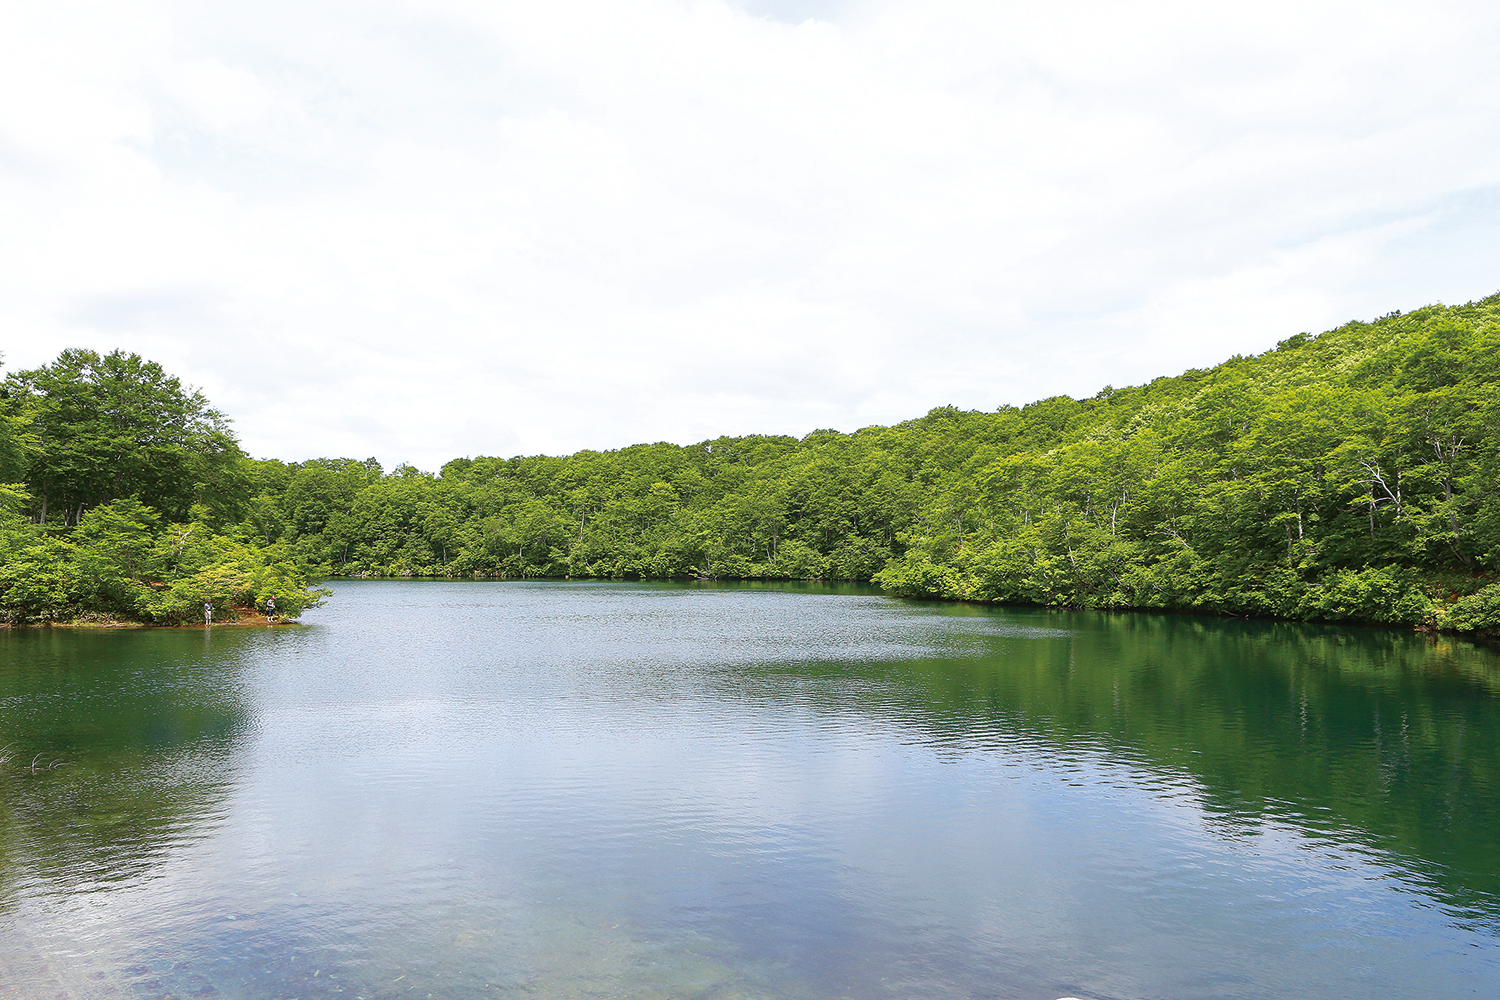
(423, 231)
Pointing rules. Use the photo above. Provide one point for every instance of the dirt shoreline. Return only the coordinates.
(250, 620)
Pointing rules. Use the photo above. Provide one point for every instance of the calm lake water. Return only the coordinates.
(569, 790)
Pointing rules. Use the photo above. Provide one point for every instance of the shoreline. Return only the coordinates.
(113, 624)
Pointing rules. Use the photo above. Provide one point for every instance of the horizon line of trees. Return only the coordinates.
(1349, 476)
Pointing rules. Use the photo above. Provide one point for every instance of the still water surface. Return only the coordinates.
(567, 790)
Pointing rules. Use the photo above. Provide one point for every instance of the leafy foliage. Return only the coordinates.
(91, 428)
(1343, 477)
(126, 473)
(1350, 476)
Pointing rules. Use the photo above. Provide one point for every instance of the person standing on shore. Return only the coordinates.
(208, 612)
(270, 609)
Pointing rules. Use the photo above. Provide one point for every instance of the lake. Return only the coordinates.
(567, 790)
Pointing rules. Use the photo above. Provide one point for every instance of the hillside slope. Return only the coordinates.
(1347, 476)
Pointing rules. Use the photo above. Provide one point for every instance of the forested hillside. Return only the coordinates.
(1345, 477)
(125, 492)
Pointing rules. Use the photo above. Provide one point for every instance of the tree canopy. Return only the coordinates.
(121, 481)
(1350, 476)
(101, 427)
(1346, 476)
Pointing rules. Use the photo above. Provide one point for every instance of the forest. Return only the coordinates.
(1348, 476)
(120, 492)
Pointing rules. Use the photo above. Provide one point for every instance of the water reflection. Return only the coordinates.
(1390, 736)
(137, 737)
(558, 790)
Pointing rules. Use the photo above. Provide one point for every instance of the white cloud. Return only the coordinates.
(224, 97)
(428, 230)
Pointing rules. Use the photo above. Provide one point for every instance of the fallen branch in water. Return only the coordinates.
(35, 767)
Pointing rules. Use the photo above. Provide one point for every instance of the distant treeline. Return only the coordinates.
(1344, 477)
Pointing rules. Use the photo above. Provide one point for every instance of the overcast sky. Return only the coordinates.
(421, 231)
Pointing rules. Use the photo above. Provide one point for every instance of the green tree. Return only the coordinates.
(109, 426)
(113, 556)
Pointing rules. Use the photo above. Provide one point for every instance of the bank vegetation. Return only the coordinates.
(1349, 476)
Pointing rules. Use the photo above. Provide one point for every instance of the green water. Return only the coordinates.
(577, 790)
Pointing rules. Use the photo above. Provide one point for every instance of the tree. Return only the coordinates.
(104, 427)
(16, 440)
(112, 555)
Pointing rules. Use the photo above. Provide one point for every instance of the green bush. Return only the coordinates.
(1478, 613)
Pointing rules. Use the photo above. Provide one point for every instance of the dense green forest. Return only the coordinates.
(124, 497)
(1343, 477)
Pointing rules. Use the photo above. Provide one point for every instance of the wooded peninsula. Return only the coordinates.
(1345, 477)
